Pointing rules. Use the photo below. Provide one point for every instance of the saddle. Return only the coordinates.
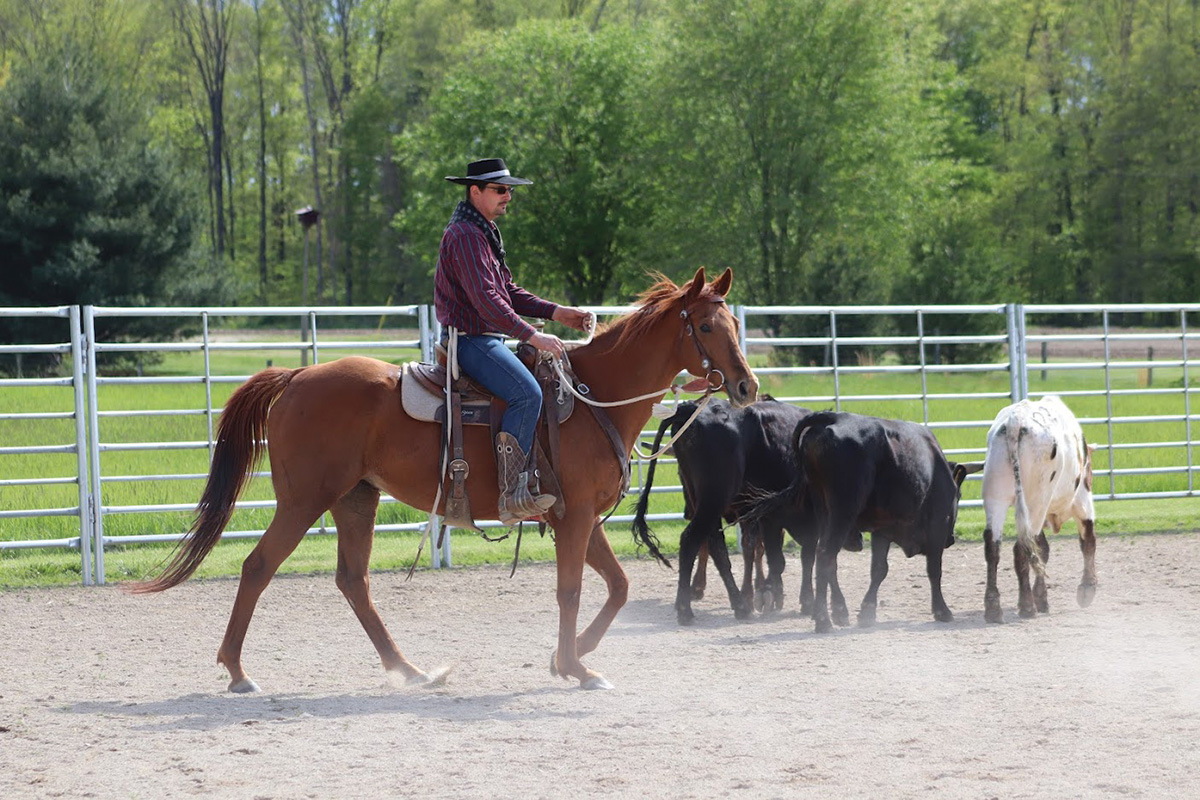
(424, 397)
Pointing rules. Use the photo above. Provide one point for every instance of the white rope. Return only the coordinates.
(564, 381)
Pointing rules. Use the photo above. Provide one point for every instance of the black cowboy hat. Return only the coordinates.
(489, 170)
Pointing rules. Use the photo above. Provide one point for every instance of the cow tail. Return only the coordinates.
(764, 505)
(641, 530)
(1025, 533)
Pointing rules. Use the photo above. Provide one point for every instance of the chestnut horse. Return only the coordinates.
(337, 436)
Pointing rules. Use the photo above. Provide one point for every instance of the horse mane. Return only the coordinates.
(654, 303)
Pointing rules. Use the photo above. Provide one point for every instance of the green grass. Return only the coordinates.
(396, 550)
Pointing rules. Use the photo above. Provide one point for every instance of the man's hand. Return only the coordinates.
(547, 342)
(575, 318)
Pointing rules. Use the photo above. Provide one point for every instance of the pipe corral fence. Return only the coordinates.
(101, 441)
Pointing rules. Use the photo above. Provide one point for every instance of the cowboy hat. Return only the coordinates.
(489, 170)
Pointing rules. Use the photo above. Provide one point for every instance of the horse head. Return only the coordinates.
(710, 343)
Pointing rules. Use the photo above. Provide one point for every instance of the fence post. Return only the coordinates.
(1014, 316)
(86, 541)
(93, 441)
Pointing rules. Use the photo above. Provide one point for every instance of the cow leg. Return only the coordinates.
(826, 574)
(991, 596)
(689, 545)
(808, 554)
(1039, 583)
(1087, 543)
(837, 600)
(700, 581)
(773, 553)
(718, 551)
(1021, 562)
(879, 571)
(751, 547)
(933, 567)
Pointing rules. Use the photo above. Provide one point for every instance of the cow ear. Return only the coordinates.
(961, 471)
(693, 289)
(721, 285)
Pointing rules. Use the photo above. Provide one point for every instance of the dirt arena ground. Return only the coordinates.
(107, 695)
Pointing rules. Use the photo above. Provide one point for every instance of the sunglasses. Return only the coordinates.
(501, 189)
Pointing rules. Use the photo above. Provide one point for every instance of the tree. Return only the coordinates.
(573, 118)
(89, 212)
(798, 146)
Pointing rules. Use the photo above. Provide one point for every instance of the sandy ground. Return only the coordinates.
(108, 695)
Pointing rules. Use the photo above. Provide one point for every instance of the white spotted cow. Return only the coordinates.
(1039, 463)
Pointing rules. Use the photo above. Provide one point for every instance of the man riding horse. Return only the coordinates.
(474, 293)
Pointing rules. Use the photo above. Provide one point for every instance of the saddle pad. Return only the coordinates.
(423, 393)
(416, 399)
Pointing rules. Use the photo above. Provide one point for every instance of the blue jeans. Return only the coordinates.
(489, 362)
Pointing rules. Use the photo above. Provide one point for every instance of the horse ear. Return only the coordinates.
(693, 290)
(721, 285)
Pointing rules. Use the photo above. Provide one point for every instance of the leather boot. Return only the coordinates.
(516, 501)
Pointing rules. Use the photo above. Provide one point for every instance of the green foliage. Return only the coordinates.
(89, 212)
(571, 119)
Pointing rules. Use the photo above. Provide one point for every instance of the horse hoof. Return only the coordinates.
(697, 593)
(596, 682)
(429, 680)
(1086, 594)
(866, 620)
(244, 686)
(824, 626)
(685, 616)
(994, 615)
(554, 664)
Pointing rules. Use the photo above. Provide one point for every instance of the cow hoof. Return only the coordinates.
(1086, 594)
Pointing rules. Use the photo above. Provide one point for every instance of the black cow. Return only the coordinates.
(857, 473)
(727, 457)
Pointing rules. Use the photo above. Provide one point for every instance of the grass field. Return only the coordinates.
(171, 471)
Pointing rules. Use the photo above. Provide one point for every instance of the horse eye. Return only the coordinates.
(706, 328)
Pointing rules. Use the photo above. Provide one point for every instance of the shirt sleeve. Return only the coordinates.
(485, 285)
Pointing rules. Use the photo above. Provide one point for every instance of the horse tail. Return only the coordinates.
(641, 531)
(240, 446)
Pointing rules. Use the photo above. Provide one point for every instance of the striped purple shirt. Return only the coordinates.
(473, 287)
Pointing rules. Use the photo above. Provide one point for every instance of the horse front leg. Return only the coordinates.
(600, 557)
(354, 515)
(571, 543)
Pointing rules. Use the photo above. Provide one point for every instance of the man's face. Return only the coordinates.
(492, 200)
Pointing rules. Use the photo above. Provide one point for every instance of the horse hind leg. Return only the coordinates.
(354, 515)
(282, 536)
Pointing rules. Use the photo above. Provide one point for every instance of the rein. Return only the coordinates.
(659, 409)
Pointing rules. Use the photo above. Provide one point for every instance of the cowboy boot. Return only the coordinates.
(516, 501)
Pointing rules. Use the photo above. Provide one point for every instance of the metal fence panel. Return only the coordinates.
(948, 367)
(11, 474)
